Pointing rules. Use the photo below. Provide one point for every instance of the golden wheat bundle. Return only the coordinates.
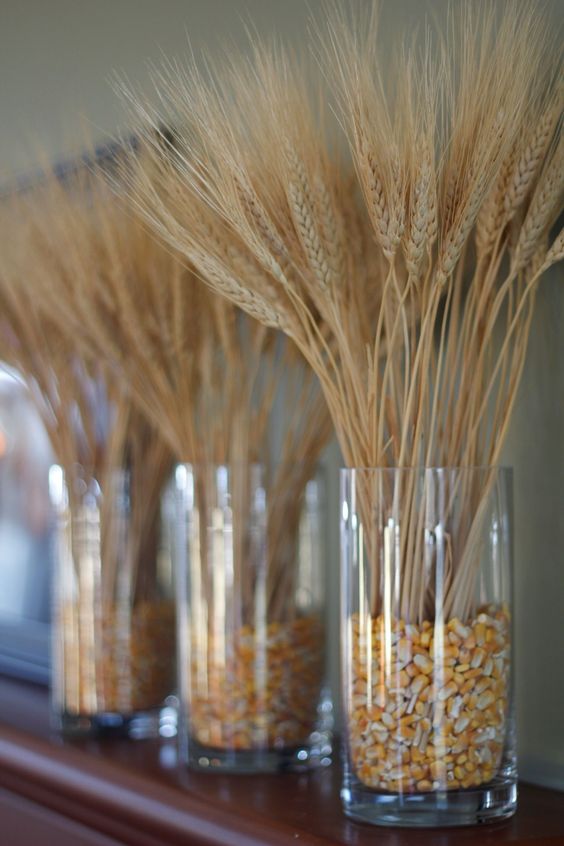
(406, 278)
(404, 268)
(200, 372)
(84, 406)
(224, 392)
(113, 469)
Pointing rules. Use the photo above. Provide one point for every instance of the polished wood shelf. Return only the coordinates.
(107, 793)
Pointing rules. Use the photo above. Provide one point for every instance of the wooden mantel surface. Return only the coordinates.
(93, 793)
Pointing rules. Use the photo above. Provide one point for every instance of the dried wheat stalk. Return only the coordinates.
(203, 375)
(84, 406)
(396, 276)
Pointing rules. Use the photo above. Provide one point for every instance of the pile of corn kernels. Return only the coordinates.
(427, 711)
(129, 664)
(259, 690)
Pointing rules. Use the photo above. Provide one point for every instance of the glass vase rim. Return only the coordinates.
(435, 468)
(260, 465)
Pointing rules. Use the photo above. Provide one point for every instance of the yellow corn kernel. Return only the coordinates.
(461, 723)
(448, 690)
(424, 663)
(480, 632)
(388, 720)
(438, 770)
(404, 650)
(407, 732)
(477, 658)
(487, 773)
(403, 679)
(419, 682)
(486, 699)
(482, 684)
(416, 755)
(461, 744)
(424, 785)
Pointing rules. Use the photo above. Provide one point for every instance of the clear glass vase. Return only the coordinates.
(426, 646)
(251, 620)
(114, 667)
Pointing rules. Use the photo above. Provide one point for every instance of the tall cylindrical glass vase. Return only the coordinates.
(251, 619)
(426, 645)
(113, 622)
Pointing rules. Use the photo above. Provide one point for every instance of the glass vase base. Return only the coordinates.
(141, 725)
(294, 759)
(489, 803)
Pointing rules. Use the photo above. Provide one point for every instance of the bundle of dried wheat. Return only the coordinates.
(84, 405)
(100, 440)
(202, 373)
(407, 281)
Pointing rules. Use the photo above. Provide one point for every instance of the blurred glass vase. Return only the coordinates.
(114, 621)
(251, 619)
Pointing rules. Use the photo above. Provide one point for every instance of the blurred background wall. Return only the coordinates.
(56, 59)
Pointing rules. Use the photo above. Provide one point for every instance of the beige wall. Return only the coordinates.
(55, 60)
(535, 448)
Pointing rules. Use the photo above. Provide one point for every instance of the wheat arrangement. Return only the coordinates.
(404, 263)
(205, 379)
(111, 621)
(203, 376)
(84, 406)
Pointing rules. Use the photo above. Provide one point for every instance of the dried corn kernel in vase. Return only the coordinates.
(429, 704)
(260, 690)
(118, 662)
